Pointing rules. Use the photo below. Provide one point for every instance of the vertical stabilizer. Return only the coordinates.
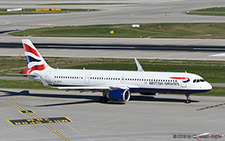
(33, 57)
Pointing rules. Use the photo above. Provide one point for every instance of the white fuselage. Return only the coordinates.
(115, 85)
(152, 82)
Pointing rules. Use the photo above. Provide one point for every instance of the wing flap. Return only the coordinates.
(96, 87)
(83, 88)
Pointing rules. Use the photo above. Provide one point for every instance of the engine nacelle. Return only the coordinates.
(119, 95)
(148, 93)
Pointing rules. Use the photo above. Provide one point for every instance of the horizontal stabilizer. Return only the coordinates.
(19, 74)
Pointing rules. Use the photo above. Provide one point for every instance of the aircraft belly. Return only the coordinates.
(171, 91)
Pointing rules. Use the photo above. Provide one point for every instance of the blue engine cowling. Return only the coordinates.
(119, 95)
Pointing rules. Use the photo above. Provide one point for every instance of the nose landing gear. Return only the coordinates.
(188, 100)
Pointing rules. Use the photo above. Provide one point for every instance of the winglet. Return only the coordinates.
(139, 67)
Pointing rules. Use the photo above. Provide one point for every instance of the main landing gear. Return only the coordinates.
(104, 99)
(188, 98)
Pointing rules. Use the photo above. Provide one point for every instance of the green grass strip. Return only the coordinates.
(209, 14)
(216, 91)
(215, 11)
(22, 84)
(163, 30)
(212, 71)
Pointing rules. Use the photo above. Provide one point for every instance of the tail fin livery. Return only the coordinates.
(33, 57)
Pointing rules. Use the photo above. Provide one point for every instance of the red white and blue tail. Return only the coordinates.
(33, 57)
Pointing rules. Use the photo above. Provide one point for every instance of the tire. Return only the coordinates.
(103, 99)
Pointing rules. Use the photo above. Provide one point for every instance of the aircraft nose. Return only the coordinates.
(208, 86)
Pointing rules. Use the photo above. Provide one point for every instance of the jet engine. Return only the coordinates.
(119, 95)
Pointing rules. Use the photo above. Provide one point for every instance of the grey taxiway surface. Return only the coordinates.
(143, 118)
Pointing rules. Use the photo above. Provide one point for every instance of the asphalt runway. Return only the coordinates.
(165, 117)
(139, 11)
(140, 54)
(117, 47)
(173, 49)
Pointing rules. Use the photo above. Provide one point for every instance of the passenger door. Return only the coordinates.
(87, 79)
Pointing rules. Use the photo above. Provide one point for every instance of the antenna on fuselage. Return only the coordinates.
(139, 67)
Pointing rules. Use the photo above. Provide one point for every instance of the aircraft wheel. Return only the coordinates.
(103, 99)
(188, 101)
(188, 98)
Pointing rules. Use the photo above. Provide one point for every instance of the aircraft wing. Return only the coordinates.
(85, 88)
(111, 87)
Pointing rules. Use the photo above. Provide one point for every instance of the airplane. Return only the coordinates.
(116, 86)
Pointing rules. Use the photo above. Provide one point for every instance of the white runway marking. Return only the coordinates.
(219, 55)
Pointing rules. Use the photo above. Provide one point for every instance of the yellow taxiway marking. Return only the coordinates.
(13, 103)
(6, 22)
(46, 120)
(42, 131)
(209, 107)
(60, 135)
(8, 106)
(50, 128)
(26, 111)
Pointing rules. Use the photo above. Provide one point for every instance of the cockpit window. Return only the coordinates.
(202, 80)
(198, 80)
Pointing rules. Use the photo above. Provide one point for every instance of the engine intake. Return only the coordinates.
(119, 95)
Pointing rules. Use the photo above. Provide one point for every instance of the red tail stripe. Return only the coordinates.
(27, 48)
(180, 78)
(37, 67)
(24, 72)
